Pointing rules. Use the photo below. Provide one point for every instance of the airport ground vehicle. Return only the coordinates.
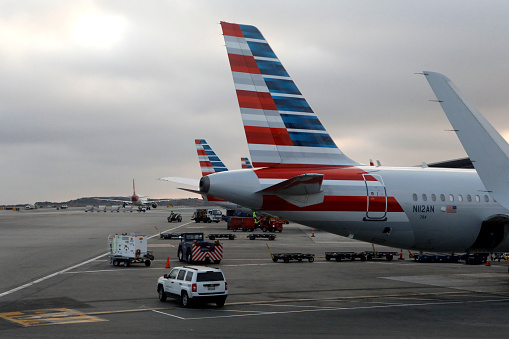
(170, 235)
(214, 236)
(128, 249)
(271, 224)
(193, 248)
(175, 217)
(245, 224)
(101, 208)
(286, 257)
(115, 208)
(205, 215)
(434, 257)
(193, 284)
(260, 236)
(338, 256)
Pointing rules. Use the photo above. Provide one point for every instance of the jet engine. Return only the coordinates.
(154, 205)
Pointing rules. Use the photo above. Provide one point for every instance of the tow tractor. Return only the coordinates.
(193, 248)
(128, 249)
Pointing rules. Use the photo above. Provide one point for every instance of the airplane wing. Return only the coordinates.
(185, 181)
(113, 200)
(487, 149)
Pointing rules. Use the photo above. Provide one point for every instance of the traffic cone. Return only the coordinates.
(313, 233)
(167, 262)
(488, 263)
(401, 255)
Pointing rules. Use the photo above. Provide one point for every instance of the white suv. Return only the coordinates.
(191, 284)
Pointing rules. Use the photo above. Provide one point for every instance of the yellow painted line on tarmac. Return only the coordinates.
(50, 316)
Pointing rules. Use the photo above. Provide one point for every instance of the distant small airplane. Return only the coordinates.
(137, 200)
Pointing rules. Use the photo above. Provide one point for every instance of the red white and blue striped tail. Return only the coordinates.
(281, 128)
(209, 161)
(245, 163)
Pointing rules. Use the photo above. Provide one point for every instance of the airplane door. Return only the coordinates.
(376, 207)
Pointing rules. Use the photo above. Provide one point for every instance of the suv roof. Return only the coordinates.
(201, 268)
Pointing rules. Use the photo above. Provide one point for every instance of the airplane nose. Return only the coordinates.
(204, 184)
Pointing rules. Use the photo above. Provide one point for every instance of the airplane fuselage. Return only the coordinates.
(414, 208)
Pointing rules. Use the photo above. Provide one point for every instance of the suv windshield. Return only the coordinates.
(210, 276)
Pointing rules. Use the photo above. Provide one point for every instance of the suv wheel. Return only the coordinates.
(220, 302)
(186, 302)
(162, 296)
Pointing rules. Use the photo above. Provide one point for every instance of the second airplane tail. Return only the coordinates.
(280, 126)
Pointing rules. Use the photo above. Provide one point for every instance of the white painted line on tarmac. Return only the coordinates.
(73, 267)
(50, 276)
(254, 313)
(171, 315)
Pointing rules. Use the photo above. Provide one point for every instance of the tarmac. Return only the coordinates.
(54, 271)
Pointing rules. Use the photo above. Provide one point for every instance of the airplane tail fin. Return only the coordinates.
(245, 163)
(487, 149)
(209, 161)
(280, 126)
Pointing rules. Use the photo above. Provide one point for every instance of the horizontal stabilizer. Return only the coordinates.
(487, 149)
(298, 185)
(185, 181)
(189, 190)
(301, 190)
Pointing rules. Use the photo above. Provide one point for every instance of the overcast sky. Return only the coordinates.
(96, 93)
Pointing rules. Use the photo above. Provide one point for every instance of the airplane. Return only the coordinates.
(245, 163)
(209, 163)
(301, 175)
(137, 200)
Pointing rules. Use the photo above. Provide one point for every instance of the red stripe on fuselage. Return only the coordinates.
(231, 29)
(212, 198)
(257, 100)
(329, 172)
(267, 136)
(330, 203)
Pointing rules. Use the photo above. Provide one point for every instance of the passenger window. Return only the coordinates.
(414, 196)
(189, 276)
(433, 197)
(469, 198)
(477, 198)
(460, 198)
(181, 275)
(424, 197)
(451, 197)
(442, 197)
(486, 198)
(173, 273)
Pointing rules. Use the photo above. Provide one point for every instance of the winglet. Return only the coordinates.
(487, 149)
